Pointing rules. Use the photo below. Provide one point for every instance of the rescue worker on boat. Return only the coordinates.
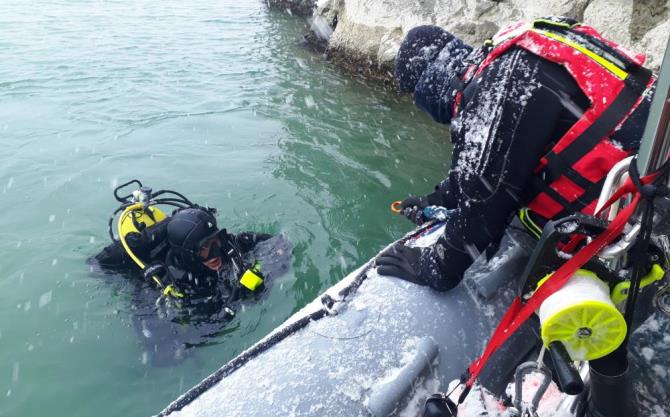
(190, 256)
(538, 117)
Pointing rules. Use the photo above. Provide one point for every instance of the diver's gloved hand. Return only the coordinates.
(412, 208)
(401, 261)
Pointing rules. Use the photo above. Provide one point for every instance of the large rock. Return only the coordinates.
(642, 26)
(654, 43)
(612, 18)
(365, 35)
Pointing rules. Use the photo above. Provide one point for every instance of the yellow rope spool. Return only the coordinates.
(583, 317)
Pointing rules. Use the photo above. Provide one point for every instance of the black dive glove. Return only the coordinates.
(412, 208)
(401, 261)
(439, 266)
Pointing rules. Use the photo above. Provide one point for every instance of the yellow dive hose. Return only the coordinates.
(167, 290)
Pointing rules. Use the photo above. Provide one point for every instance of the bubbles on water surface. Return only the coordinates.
(45, 299)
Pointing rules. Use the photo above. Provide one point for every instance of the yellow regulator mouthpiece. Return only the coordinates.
(583, 317)
(251, 280)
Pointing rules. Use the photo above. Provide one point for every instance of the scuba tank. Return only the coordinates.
(139, 210)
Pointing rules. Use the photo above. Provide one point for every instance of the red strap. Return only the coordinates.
(518, 313)
(572, 244)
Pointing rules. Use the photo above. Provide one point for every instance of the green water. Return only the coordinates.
(215, 99)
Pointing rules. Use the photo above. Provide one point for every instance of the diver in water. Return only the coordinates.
(191, 275)
(190, 256)
(539, 115)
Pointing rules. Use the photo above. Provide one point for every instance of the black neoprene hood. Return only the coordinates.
(188, 229)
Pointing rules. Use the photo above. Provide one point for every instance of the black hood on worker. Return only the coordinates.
(429, 63)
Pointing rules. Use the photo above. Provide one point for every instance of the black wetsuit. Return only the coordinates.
(507, 120)
(151, 246)
(166, 331)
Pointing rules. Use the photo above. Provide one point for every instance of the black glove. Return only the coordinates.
(401, 261)
(412, 208)
(439, 266)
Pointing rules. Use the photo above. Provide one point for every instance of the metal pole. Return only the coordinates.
(655, 143)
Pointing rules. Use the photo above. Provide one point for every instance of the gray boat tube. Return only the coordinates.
(371, 345)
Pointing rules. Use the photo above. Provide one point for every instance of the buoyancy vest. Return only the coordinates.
(569, 177)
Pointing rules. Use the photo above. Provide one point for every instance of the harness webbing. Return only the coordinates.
(604, 62)
(560, 163)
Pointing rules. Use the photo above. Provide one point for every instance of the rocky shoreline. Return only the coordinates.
(363, 36)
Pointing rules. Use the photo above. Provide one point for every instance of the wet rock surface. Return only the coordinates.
(364, 35)
(297, 7)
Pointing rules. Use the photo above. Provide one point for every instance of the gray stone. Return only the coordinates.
(365, 34)
(297, 7)
(653, 44)
(612, 18)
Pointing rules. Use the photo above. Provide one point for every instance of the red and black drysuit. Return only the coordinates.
(511, 107)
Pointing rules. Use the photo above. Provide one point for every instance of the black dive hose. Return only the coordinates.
(282, 334)
(111, 220)
(168, 202)
(182, 198)
(171, 202)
